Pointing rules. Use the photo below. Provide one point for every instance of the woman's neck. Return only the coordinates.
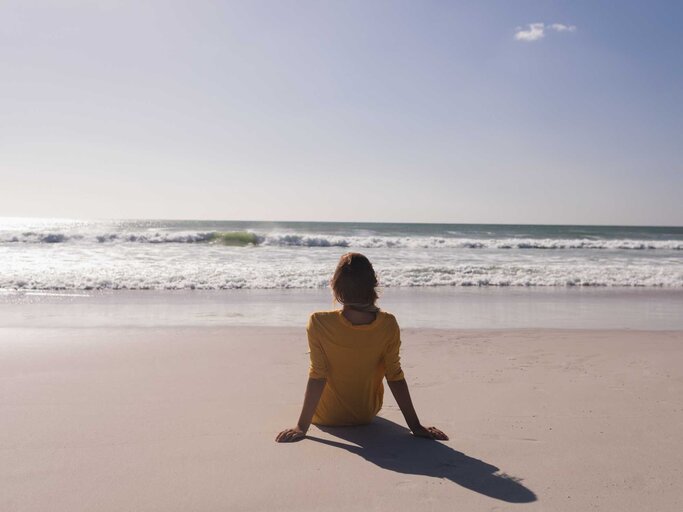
(358, 317)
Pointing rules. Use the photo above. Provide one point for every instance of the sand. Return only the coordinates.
(184, 419)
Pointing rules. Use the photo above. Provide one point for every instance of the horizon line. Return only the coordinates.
(344, 222)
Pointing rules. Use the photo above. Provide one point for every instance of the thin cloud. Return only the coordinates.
(561, 27)
(536, 31)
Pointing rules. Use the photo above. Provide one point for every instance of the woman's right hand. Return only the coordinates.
(429, 432)
(290, 435)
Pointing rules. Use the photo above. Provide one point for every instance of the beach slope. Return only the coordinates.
(155, 419)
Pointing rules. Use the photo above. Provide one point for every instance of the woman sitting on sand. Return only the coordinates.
(352, 349)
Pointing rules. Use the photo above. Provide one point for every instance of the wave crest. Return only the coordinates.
(248, 238)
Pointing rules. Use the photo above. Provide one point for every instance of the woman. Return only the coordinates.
(352, 350)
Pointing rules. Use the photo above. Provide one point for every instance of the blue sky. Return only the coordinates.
(347, 111)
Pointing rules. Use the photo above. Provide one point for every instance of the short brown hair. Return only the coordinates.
(354, 280)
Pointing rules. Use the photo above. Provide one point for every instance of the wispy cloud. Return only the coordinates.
(536, 31)
(561, 27)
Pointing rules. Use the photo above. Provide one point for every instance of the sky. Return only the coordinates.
(547, 112)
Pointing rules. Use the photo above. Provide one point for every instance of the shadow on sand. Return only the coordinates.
(392, 447)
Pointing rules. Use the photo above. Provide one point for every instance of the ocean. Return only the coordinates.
(54, 254)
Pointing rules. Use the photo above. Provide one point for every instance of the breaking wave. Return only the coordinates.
(207, 277)
(248, 238)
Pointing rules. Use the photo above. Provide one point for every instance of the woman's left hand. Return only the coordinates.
(290, 435)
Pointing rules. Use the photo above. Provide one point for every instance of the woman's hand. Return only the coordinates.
(290, 435)
(314, 390)
(429, 432)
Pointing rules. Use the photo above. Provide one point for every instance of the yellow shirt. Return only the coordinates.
(353, 359)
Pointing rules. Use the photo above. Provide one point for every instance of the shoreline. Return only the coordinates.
(302, 329)
(447, 308)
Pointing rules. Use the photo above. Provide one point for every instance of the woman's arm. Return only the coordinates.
(314, 390)
(399, 388)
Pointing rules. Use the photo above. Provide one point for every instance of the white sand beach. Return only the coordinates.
(180, 419)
